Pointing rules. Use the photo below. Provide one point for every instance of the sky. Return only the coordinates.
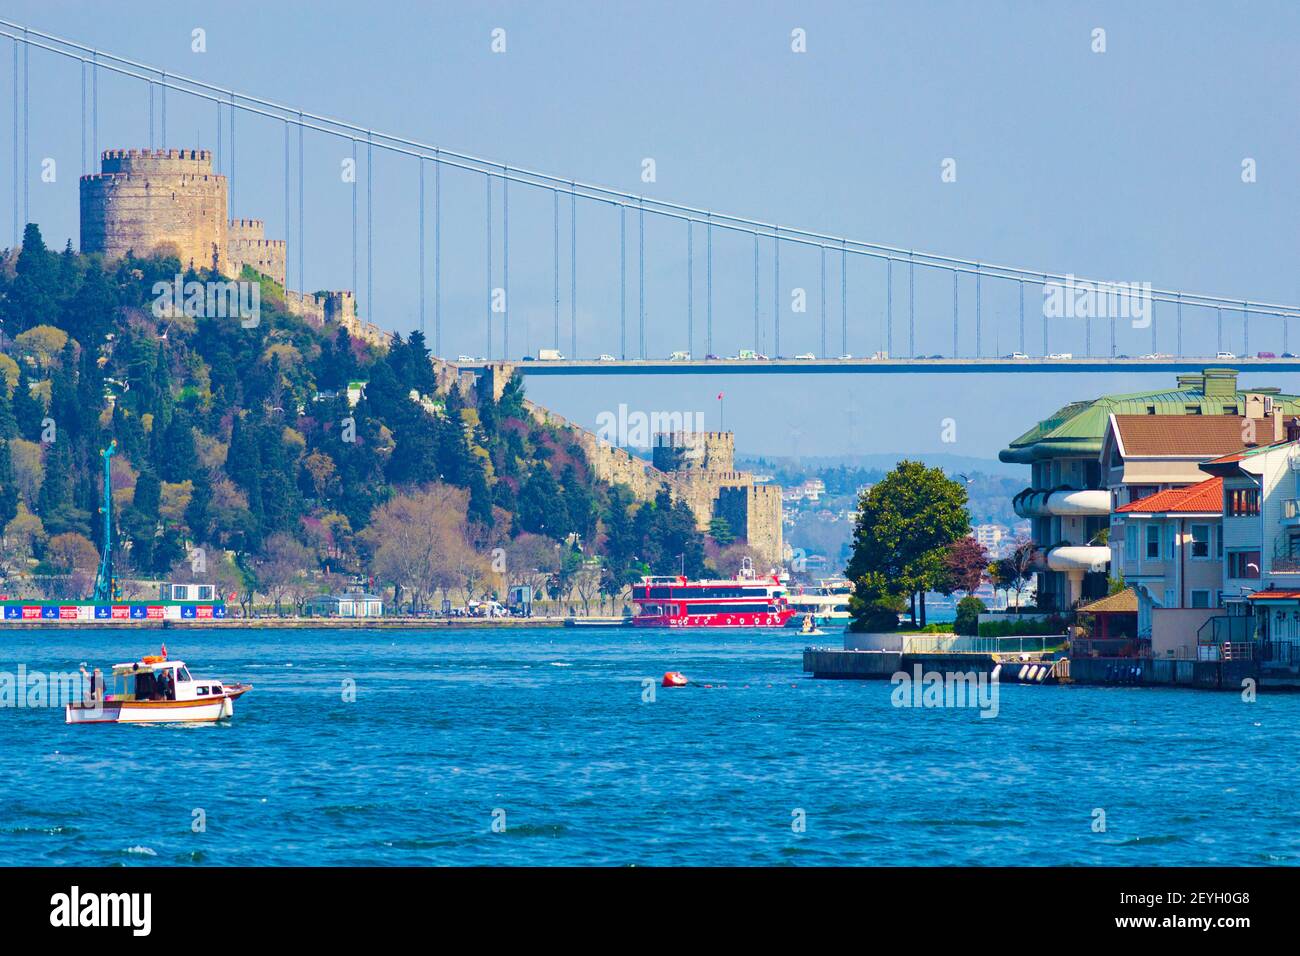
(1125, 164)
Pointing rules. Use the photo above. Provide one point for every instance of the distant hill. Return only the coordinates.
(952, 464)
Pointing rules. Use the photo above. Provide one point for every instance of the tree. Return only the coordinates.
(1017, 568)
(586, 582)
(969, 610)
(286, 561)
(70, 552)
(964, 566)
(903, 529)
(720, 531)
(418, 541)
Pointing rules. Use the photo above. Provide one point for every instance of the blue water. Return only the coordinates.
(549, 726)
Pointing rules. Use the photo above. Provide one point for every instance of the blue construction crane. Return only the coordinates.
(105, 586)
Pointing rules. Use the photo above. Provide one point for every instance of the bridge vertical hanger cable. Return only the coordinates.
(573, 270)
(955, 340)
(230, 173)
(162, 94)
(94, 107)
(1180, 328)
(487, 179)
(355, 285)
(302, 216)
(437, 256)
(756, 348)
(1021, 283)
(1218, 324)
(640, 225)
(220, 155)
(505, 263)
(555, 269)
(844, 298)
(421, 244)
(1045, 344)
(370, 228)
(822, 352)
(1154, 348)
(1245, 319)
(622, 282)
(911, 305)
(152, 141)
(888, 344)
(83, 117)
(27, 129)
(690, 287)
(776, 292)
(18, 167)
(288, 222)
(1112, 336)
(708, 286)
(979, 350)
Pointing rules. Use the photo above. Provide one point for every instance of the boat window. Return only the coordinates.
(201, 691)
(182, 674)
(216, 688)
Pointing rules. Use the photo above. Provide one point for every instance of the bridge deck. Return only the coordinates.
(886, 366)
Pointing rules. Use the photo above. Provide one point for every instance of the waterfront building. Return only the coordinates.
(1069, 502)
(344, 605)
(1169, 548)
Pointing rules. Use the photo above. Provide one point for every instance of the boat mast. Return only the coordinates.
(104, 578)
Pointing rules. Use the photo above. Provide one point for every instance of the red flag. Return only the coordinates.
(719, 396)
(164, 652)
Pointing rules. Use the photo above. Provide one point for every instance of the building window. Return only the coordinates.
(1200, 599)
(1153, 541)
(1169, 597)
(1138, 492)
(1200, 541)
(1131, 542)
(1243, 564)
(1242, 502)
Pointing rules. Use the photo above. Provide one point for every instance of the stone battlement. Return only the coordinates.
(258, 224)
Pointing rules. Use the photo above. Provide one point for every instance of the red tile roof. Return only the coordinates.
(1156, 436)
(1274, 596)
(1203, 497)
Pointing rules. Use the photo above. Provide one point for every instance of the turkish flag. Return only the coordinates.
(719, 396)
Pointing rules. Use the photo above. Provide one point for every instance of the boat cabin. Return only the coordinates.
(152, 679)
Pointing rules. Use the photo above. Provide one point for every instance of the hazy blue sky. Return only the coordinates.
(1124, 165)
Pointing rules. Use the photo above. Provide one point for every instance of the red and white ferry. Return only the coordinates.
(743, 601)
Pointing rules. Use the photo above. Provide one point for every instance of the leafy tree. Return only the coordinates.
(904, 527)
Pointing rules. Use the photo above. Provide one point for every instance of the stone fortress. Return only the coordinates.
(696, 467)
(171, 202)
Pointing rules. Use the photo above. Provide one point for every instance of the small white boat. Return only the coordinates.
(155, 690)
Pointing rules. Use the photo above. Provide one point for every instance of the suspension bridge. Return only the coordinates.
(812, 302)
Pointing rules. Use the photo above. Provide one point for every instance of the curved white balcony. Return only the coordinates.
(1078, 557)
(1066, 502)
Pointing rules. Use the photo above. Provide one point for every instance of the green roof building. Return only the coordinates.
(1068, 503)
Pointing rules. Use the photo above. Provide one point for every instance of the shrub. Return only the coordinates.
(969, 609)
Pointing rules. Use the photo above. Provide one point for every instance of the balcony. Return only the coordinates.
(1078, 557)
(1291, 512)
(1062, 502)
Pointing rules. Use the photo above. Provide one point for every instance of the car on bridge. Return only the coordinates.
(806, 357)
(1058, 356)
(1224, 355)
(605, 357)
(845, 357)
(712, 358)
(1016, 355)
(680, 356)
(1265, 355)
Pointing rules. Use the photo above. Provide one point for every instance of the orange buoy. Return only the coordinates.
(675, 679)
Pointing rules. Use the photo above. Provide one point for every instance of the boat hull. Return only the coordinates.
(776, 618)
(151, 712)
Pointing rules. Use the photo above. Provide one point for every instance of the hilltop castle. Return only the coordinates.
(170, 202)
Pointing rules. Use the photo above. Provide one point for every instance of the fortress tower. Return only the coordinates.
(156, 202)
(247, 245)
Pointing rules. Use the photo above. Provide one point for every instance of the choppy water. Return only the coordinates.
(549, 726)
